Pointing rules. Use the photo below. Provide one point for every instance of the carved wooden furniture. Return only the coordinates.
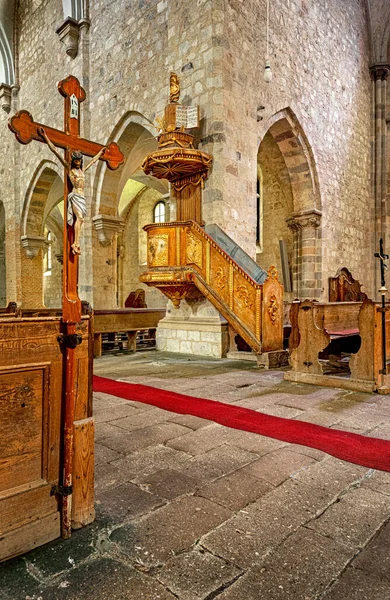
(128, 320)
(31, 431)
(344, 288)
(177, 160)
(185, 262)
(313, 326)
(136, 299)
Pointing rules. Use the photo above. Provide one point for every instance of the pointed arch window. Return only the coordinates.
(159, 212)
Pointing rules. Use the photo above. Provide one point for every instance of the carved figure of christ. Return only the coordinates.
(77, 207)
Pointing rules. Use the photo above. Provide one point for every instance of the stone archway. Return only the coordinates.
(291, 202)
(43, 194)
(120, 197)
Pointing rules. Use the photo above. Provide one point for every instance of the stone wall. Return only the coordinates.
(319, 55)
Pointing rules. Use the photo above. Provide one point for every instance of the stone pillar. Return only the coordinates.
(32, 271)
(307, 274)
(379, 74)
(105, 261)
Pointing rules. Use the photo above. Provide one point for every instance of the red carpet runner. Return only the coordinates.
(368, 452)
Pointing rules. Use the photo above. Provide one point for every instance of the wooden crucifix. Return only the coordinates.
(26, 130)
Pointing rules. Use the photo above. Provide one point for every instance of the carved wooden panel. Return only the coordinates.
(194, 250)
(219, 275)
(244, 300)
(344, 288)
(272, 312)
(158, 250)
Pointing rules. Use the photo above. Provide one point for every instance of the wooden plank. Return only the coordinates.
(25, 504)
(330, 381)
(133, 319)
(83, 511)
(31, 536)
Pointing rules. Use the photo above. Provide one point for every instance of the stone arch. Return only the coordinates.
(6, 58)
(135, 136)
(298, 157)
(43, 194)
(294, 191)
(114, 193)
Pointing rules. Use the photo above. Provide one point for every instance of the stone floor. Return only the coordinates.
(192, 510)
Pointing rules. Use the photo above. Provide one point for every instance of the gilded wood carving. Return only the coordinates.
(158, 250)
(194, 250)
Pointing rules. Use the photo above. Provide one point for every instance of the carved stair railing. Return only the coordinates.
(185, 262)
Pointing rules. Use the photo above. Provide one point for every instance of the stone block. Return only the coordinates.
(186, 347)
(303, 566)
(355, 518)
(278, 465)
(196, 574)
(193, 336)
(173, 345)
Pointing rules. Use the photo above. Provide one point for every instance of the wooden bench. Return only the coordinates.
(127, 320)
(314, 325)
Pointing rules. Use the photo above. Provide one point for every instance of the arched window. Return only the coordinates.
(159, 212)
(48, 257)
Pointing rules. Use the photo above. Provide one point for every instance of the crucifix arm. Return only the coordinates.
(42, 133)
(94, 159)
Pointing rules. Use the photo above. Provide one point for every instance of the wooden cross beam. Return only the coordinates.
(26, 129)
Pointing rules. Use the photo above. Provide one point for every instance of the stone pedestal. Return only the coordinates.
(194, 328)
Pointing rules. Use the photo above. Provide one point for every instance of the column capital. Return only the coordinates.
(305, 218)
(380, 71)
(107, 226)
(69, 34)
(5, 97)
(32, 245)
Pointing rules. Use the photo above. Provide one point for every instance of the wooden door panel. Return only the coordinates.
(24, 407)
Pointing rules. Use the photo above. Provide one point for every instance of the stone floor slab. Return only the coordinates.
(126, 502)
(277, 466)
(197, 574)
(235, 491)
(355, 518)
(299, 569)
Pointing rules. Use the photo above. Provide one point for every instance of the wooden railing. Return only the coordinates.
(183, 262)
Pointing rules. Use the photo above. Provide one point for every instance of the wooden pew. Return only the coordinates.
(128, 320)
(314, 325)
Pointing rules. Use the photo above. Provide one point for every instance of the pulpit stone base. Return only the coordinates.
(194, 328)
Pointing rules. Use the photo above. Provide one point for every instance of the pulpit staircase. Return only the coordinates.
(187, 261)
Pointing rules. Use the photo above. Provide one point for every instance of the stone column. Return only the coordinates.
(32, 271)
(307, 270)
(379, 74)
(107, 228)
